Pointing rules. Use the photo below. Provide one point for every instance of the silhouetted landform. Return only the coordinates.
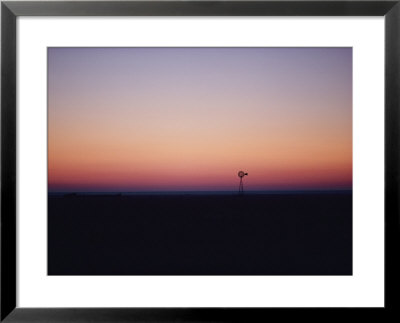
(189, 234)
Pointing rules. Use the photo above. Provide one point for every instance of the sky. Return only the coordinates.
(188, 119)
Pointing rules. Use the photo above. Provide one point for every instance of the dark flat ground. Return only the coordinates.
(288, 234)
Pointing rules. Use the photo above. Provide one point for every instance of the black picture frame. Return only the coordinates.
(10, 10)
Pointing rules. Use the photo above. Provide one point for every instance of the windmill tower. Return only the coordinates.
(241, 174)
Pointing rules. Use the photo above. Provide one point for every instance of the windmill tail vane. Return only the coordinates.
(241, 174)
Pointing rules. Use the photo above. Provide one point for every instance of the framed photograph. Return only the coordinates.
(198, 160)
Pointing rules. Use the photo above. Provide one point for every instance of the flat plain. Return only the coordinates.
(200, 234)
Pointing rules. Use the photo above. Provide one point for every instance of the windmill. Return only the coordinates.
(241, 174)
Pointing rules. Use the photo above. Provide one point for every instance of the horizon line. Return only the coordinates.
(204, 191)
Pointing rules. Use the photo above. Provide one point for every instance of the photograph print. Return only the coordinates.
(199, 161)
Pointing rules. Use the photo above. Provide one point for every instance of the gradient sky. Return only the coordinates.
(165, 119)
